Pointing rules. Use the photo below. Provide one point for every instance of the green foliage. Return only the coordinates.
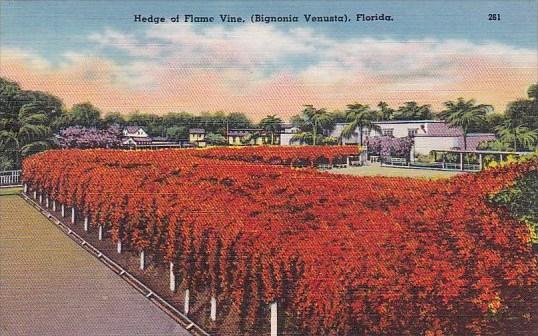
(85, 115)
(385, 112)
(216, 139)
(177, 132)
(6, 163)
(271, 124)
(114, 118)
(465, 114)
(359, 117)
(521, 137)
(329, 141)
(306, 138)
(27, 120)
(412, 111)
(522, 201)
(495, 145)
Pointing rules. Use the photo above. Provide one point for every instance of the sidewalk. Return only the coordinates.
(50, 286)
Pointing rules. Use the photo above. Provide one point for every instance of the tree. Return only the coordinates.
(177, 132)
(386, 147)
(523, 112)
(271, 124)
(413, 111)
(361, 117)
(82, 137)
(319, 119)
(532, 92)
(114, 118)
(517, 135)
(385, 112)
(306, 138)
(26, 122)
(216, 139)
(26, 135)
(85, 115)
(464, 114)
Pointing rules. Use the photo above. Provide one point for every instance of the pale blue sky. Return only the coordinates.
(53, 27)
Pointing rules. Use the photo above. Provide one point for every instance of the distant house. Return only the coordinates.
(197, 137)
(136, 137)
(428, 134)
(136, 142)
(134, 132)
(287, 131)
(248, 136)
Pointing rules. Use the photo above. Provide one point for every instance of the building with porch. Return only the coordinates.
(248, 136)
(134, 132)
(197, 137)
(287, 131)
(428, 135)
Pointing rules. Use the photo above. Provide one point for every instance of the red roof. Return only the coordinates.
(440, 129)
(474, 139)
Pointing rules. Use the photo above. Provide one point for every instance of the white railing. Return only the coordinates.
(10, 177)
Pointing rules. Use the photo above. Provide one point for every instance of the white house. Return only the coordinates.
(287, 131)
(428, 134)
(134, 132)
(197, 137)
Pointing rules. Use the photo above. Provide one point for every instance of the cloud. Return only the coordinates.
(260, 70)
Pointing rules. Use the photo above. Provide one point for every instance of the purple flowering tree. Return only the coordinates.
(385, 146)
(82, 137)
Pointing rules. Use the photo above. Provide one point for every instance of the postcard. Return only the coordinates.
(279, 168)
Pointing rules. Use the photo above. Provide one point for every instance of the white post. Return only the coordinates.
(53, 205)
(73, 215)
(142, 260)
(86, 223)
(26, 188)
(41, 198)
(186, 303)
(274, 319)
(461, 161)
(481, 159)
(172, 278)
(213, 312)
(63, 210)
(35, 194)
(100, 234)
(118, 247)
(47, 202)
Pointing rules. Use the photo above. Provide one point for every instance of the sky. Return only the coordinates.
(432, 51)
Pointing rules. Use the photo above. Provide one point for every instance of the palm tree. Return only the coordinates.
(412, 111)
(509, 133)
(318, 118)
(271, 124)
(464, 114)
(25, 135)
(359, 116)
(385, 111)
(303, 138)
(532, 92)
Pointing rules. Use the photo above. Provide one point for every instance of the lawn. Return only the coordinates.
(10, 191)
(376, 170)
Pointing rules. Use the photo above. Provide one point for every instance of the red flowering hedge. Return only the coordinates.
(280, 155)
(342, 255)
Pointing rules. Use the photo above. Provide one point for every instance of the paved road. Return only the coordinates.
(50, 286)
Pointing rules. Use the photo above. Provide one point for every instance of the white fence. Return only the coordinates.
(10, 177)
(43, 202)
